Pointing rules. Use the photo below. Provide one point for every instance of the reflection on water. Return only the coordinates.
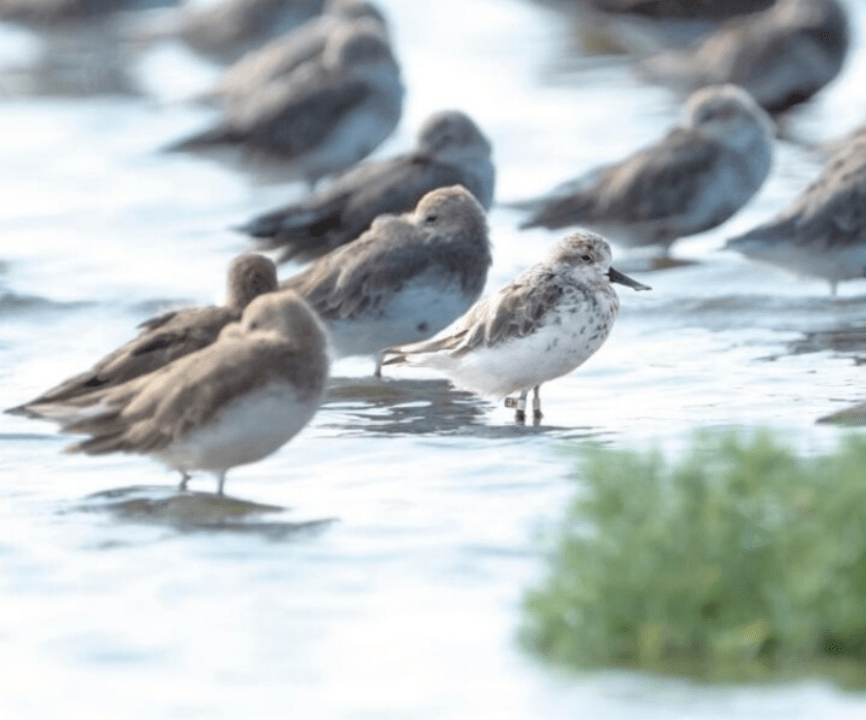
(393, 407)
(847, 340)
(367, 406)
(192, 511)
(13, 304)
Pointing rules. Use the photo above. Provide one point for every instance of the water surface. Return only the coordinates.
(389, 585)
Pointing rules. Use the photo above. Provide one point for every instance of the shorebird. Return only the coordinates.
(168, 336)
(782, 55)
(231, 403)
(325, 116)
(451, 150)
(696, 177)
(822, 233)
(281, 56)
(542, 325)
(404, 279)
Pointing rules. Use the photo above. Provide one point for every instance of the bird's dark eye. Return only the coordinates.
(586, 258)
(431, 218)
(253, 325)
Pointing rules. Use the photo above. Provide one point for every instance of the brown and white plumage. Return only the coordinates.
(451, 150)
(231, 403)
(542, 325)
(169, 336)
(696, 177)
(405, 278)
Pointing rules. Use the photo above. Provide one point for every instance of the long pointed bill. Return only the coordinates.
(617, 277)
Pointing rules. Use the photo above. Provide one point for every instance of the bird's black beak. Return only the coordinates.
(617, 277)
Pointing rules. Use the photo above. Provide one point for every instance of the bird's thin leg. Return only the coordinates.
(184, 479)
(519, 404)
(377, 373)
(221, 481)
(536, 404)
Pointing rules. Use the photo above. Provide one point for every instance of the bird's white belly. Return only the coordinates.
(522, 363)
(244, 431)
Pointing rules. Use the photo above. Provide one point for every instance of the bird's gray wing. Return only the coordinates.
(162, 340)
(277, 58)
(291, 118)
(155, 410)
(513, 312)
(655, 183)
(286, 117)
(395, 187)
(400, 188)
(358, 277)
(323, 211)
(833, 208)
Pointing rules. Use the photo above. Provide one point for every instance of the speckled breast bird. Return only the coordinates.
(451, 150)
(404, 279)
(542, 325)
(167, 337)
(696, 177)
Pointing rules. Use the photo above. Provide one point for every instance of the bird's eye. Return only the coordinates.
(586, 258)
(253, 325)
(431, 218)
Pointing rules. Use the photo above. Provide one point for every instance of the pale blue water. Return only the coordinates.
(407, 604)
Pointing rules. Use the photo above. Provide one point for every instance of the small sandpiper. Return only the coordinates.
(542, 325)
(404, 279)
(782, 55)
(822, 233)
(277, 59)
(231, 403)
(168, 336)
(696, 177)
(321, 119)
(451, 150)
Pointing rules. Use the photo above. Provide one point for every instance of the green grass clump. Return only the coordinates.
(740, 561)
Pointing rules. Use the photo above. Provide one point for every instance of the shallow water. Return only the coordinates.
(390, 585)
